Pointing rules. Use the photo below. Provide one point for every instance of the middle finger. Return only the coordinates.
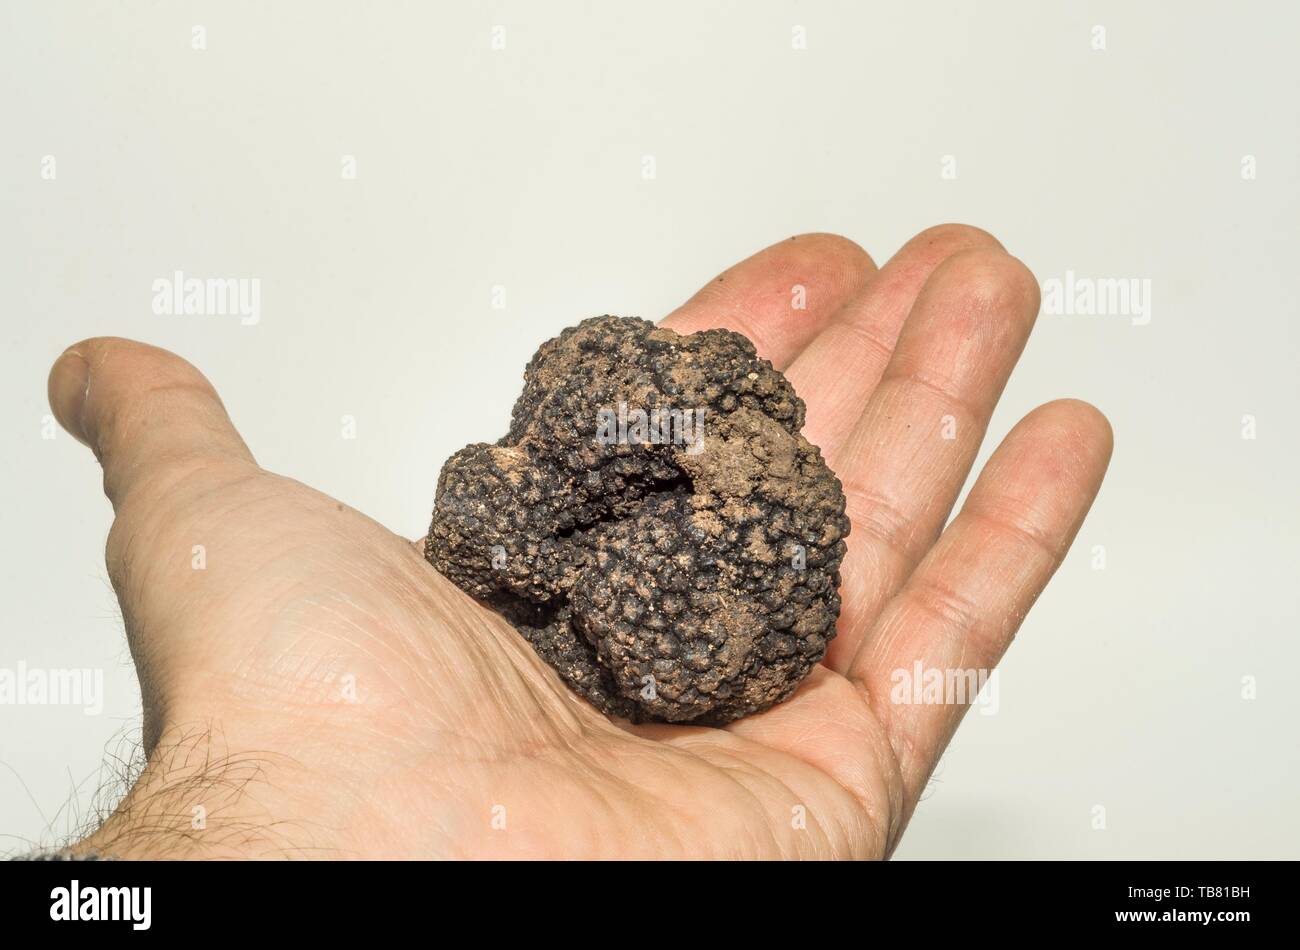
(907, 457)
(838, 370)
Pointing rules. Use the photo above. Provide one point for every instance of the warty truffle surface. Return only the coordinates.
(678, 573)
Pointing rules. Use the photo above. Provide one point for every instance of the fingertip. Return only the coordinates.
(988, 279)
(835, 251)
(79, 368)
(1054, 459)
(140, 409)
(66, 388)
(1081, 424)
(944, 240)
(782, 296)
(1089, 417)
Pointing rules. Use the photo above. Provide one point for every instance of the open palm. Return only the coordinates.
(313, 687)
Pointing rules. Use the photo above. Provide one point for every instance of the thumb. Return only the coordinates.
(167, 447)
(144, 412)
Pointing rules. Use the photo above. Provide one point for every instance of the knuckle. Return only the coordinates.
(164, 510)
(958, 616)
(156, 404)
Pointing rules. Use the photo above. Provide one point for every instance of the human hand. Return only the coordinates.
(319, 690)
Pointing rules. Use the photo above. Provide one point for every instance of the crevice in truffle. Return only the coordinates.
(522, 612)
(680, 483)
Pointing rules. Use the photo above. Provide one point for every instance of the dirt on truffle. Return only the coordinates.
(685, 572)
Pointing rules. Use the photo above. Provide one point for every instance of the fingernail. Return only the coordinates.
(69, 382)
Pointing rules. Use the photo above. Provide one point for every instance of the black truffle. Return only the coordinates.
(654, 523)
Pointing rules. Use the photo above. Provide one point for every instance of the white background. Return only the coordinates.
(522, 168)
